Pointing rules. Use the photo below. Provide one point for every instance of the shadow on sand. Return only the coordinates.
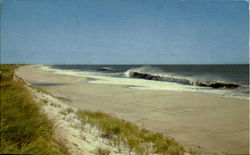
(47, 84)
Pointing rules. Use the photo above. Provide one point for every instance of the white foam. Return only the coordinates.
(142, 84)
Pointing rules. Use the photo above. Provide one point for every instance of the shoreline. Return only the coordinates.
(145, 84)
(159, 85)
(207, 123)
(84, 132)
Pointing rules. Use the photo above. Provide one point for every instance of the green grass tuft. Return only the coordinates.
(101, 151)
(137, 140)
(69, 110)
(24, 130)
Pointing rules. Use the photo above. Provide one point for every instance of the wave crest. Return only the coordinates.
(153, 73)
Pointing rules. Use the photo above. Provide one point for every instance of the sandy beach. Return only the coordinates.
(209, 124)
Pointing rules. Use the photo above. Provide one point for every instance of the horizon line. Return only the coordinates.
(116, 64)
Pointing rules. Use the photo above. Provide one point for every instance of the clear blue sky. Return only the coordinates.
(124, 32)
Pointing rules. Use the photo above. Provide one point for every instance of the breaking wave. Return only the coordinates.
(152, 73)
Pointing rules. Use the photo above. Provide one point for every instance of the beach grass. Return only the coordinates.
(24, 130)
(101, 151)
(126, 134)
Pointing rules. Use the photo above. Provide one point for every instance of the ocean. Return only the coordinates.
(224, 80)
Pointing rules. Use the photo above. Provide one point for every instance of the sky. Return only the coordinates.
(124, 32)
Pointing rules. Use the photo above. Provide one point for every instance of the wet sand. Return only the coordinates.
(208, 124)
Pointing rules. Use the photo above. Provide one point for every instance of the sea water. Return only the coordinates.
(179, 78)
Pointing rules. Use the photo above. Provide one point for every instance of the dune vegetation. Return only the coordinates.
(24, 130)
(126, 134)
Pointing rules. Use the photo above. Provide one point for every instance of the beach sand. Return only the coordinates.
(206, 123)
